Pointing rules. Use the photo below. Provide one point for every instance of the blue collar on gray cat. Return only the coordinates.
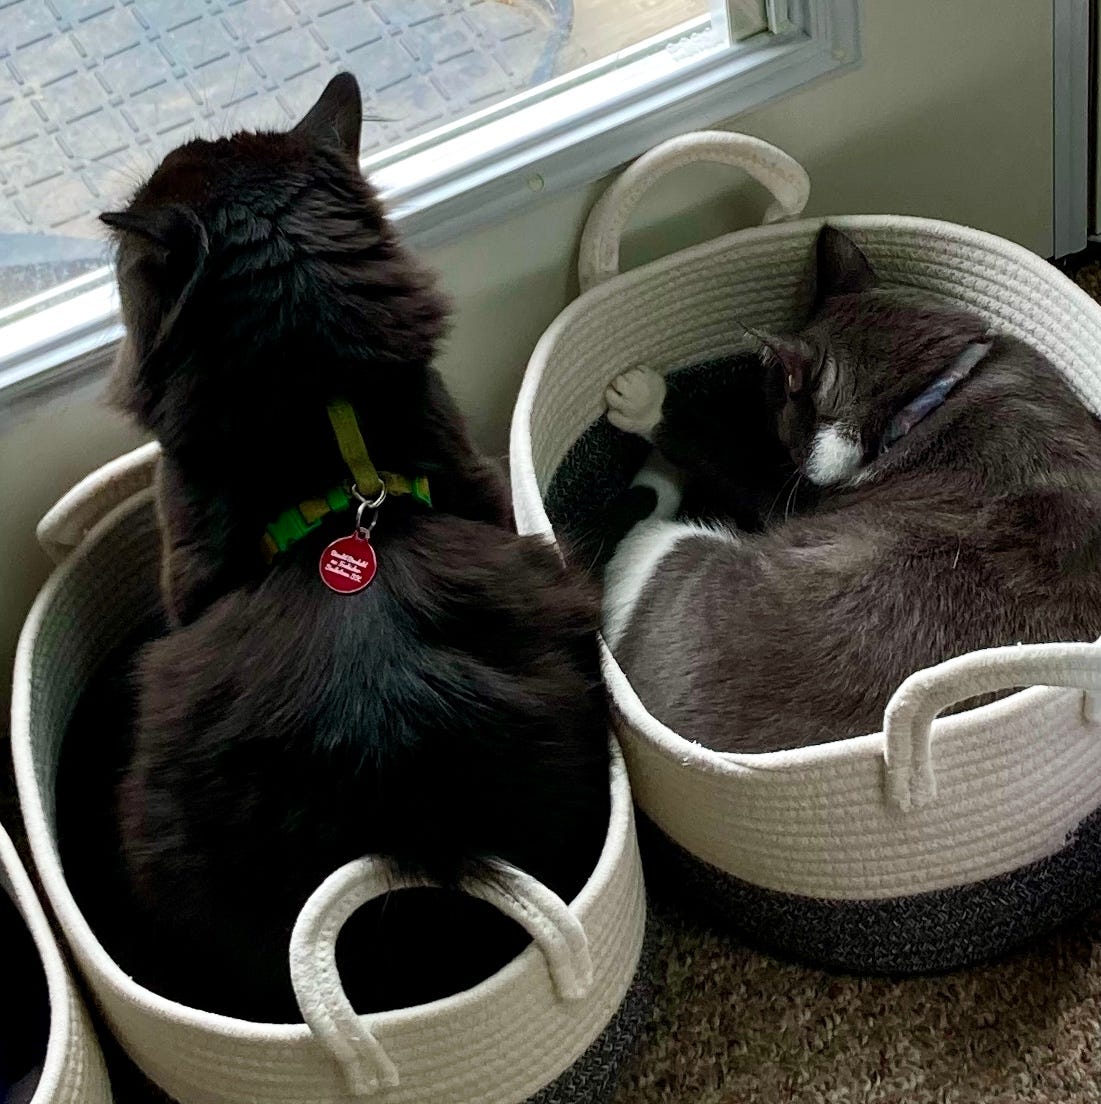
(934, 394)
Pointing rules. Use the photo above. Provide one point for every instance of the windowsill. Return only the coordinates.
(483, 175)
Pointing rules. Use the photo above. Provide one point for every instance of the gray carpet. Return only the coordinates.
(734, 1026)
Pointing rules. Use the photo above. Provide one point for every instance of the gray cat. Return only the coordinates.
(957, 506)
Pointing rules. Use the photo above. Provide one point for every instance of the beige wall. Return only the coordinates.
(949, 116)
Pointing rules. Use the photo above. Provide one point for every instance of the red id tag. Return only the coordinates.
(348, 565)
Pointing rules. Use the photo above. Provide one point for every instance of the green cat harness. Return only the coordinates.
(368, 484)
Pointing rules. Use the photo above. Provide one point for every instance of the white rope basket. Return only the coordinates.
(550, 1026)
(72, 1069)
(926, 805)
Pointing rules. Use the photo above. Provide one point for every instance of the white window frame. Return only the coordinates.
(1070, 22)
(439, 191)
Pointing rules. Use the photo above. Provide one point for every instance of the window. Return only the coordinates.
(473, 107)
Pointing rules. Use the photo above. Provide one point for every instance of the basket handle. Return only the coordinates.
(321, 998)
(908, 720)
(783, 176)
(96, 495)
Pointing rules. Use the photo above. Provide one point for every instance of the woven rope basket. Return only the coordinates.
(933, 842)
(552, 1026)
(72, 1069)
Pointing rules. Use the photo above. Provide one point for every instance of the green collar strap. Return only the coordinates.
(293, 524)
(368, 481)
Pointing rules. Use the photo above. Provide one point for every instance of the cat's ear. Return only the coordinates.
(172, 228)
(337, 117)
(842, 267)
(794, 358)
(169, 269)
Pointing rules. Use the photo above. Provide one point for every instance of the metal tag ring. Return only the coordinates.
(364, 531)
(370, 504)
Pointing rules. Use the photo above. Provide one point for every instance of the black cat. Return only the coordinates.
(449, 712)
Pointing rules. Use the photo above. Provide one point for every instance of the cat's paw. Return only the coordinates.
(634, 401)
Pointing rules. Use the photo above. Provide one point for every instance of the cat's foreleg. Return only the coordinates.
(635, 399)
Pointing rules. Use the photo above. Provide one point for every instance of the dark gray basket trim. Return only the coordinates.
(925, 933)
(592, 1079)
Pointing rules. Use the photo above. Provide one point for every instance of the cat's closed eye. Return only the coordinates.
(827, 376)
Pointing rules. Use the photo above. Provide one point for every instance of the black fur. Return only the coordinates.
(450, 712)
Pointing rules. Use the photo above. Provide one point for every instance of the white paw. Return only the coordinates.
(634, 401)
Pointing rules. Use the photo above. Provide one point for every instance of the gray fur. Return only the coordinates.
(981, 527)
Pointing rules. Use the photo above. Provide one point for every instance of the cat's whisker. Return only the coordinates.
(205, 104)
(126, 172)
(791, 495)
(583, 538)
(762, 340)
(231, 103)
(779, 495)
(596, 556)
